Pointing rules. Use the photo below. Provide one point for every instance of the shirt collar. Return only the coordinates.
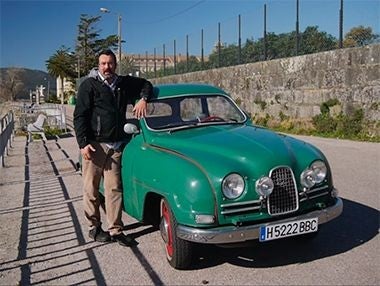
(112, 84)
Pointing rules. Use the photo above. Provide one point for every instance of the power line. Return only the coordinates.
(171, 16)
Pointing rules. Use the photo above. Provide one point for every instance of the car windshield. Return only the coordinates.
(188, 111)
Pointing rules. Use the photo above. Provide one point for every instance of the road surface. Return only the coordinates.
(44, 240)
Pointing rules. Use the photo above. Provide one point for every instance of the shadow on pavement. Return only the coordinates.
(357, 225)
(50, 231)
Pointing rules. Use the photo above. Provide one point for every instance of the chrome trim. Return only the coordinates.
(310, 197)
(225, 212)
(317, 189)
(270, 198)
(230, 205)
(231, 234)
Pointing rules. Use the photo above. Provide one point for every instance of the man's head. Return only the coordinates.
(107, 63)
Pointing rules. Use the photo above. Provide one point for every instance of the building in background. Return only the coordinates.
(146, 63)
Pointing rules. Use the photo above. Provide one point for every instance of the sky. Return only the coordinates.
(32, 31)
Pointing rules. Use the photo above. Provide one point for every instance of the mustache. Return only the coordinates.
(108, 73)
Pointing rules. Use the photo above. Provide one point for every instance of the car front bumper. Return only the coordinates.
(233, 234)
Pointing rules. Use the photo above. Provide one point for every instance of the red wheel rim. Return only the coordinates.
(169, 244)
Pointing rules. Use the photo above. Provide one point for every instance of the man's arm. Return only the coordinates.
(142, 90)
(146, 90)
(138, 88)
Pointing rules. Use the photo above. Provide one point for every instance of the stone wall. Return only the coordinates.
(297, 86)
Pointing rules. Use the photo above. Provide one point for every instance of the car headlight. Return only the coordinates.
(233, 186)
(320, 170)
(315, 174)
(264, 186)
(308, 178)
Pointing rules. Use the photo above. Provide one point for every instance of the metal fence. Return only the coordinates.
(7, 124)
(225, 44)
(56, 118)
(55, 113)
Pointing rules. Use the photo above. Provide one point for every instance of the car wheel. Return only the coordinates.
(178, 251)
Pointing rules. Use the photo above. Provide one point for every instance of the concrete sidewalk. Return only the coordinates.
(43, 236)
(40, 229)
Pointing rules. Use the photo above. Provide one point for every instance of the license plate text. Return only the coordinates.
(276, 231)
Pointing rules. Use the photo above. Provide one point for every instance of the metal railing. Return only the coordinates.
(7, 124)
(55, 113)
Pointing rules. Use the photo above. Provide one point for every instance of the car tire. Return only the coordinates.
(178, 251)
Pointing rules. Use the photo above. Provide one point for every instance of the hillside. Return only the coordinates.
(22, 80)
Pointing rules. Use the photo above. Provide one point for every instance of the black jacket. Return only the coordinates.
(100, 114)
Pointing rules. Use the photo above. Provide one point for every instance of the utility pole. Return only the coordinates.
(105, 10)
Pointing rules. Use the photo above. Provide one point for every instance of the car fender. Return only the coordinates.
(151, 169)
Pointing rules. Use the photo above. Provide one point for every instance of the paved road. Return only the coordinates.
(43, 238)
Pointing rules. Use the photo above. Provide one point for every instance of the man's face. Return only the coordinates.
(107, 66)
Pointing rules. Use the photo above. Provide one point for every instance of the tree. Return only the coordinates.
(86, 42)
(359, 36)
(248, 51)
(313, 41)
(277, 46)
(61, 64)
(253, 51)
(228, 56)
(89, 45)
(192, 65)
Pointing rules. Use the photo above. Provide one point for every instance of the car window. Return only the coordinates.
(159, 109)
(190, 108)
(220, 107)
(188, 111)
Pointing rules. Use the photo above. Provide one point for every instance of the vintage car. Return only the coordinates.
(198, 168)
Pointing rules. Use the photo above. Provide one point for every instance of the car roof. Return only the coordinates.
(172, 90)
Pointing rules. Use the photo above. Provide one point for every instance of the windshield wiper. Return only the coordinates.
(177, 124)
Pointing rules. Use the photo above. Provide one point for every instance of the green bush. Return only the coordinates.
(263, 121)
(325, 106)
(342, 126)
(324, 123)
(262, 103)
(51, 132)
(283, 116)
(350, 125)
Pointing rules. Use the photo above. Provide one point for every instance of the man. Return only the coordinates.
(99, 118)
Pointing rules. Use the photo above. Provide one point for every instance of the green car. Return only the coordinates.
(198, 168)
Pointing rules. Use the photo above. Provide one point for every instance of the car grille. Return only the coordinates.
(284, 198)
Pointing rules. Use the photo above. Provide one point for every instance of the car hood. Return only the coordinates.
(246, 149)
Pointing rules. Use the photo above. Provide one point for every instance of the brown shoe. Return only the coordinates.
(124, 240)
(98, 234)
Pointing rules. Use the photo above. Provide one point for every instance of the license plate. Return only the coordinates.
(291, 228)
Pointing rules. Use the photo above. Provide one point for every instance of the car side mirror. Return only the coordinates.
(131, 128)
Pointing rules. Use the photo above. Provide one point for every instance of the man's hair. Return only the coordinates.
(108, 53)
